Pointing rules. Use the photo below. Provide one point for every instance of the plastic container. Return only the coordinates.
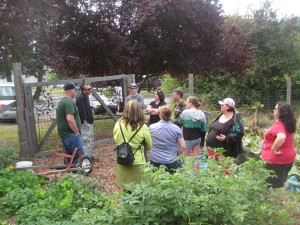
(22, 164)
(293, 184)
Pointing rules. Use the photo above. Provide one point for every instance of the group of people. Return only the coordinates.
(185, 134)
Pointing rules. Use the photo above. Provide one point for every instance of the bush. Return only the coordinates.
(203, 197)
(187, 197)
(8, 156)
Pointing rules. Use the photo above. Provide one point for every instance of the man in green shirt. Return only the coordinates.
(68, 121)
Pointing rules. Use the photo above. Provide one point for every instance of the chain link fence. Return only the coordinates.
(256, 111)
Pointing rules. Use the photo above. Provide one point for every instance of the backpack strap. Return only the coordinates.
(132, 135)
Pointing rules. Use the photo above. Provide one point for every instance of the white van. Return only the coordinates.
(7, 90)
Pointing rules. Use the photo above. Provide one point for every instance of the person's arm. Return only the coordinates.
(148, 139)
(141, 100)
(280, 138)
(72, 124)
(127, 99)
(155, 112)
(181, 145)
(149, 109)
(236, 132)
(81, 108)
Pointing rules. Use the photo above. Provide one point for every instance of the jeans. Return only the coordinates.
(71, 142)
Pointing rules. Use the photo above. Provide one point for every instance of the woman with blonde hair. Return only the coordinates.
(167, 141)
(133, 120)
(193, 122)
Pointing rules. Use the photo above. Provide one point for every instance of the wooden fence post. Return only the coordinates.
(130, 79)
(22, 129)
(288, 89)
(191, 84)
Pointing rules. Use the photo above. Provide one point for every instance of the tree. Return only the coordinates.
(277, 53)
(177, 36)
(22, 24)
(83, 38)
(236, 49)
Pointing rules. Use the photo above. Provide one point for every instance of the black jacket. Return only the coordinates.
(84, 108)
(234, 135)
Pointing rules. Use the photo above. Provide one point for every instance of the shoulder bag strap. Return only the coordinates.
(132, 135)
(122, 132)
(135, 133)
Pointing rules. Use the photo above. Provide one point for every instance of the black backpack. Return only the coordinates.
(125, 155)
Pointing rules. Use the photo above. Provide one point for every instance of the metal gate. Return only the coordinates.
(40, 113)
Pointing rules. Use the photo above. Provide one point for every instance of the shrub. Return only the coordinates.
(203, 197)
(8, 156)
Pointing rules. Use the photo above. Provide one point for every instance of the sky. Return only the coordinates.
(283, 7)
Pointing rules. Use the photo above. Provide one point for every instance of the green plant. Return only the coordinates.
(203, 196)
(61, 200)
(170, 83)
(252, 143)
(8, 156)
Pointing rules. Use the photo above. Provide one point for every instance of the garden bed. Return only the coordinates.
(104, 169)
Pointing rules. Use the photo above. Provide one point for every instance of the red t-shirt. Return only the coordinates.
(288, 152)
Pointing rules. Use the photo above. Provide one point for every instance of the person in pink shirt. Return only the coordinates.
(278, 148)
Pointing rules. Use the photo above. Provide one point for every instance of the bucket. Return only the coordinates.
(23, 164)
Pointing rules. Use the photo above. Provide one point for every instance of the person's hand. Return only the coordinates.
(221, 137)
(277, 152)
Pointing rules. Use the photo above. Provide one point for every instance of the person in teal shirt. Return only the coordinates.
(193, 122)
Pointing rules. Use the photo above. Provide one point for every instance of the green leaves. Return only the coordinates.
(8, 156)
(187, 197)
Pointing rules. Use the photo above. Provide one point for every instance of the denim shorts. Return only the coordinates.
(71, 142)
(191, 143)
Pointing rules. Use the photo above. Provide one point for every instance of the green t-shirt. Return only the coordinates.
(64, 107)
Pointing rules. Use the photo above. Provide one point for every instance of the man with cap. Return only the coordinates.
(134, 95)
(68, 121)
(227, 130)
(87, 119)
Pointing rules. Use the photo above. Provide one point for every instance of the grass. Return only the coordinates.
(103, 128)
(9, 136)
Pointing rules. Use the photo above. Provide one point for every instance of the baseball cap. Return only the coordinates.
(133, 85)
(70, 86)
(227, 101)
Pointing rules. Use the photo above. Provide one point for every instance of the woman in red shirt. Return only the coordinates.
(278, 147)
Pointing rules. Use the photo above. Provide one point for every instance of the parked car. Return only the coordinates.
(156, 84)
(98, 108)
(117, 97)
(7, 90)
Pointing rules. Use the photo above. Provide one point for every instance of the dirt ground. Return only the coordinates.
(103, 169)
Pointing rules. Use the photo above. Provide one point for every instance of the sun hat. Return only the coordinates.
(227, 101)
(70, 86)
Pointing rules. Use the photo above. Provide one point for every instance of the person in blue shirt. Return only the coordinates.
(167, 141)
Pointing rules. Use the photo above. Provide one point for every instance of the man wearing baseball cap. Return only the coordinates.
(134, 95)
(68, 121)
